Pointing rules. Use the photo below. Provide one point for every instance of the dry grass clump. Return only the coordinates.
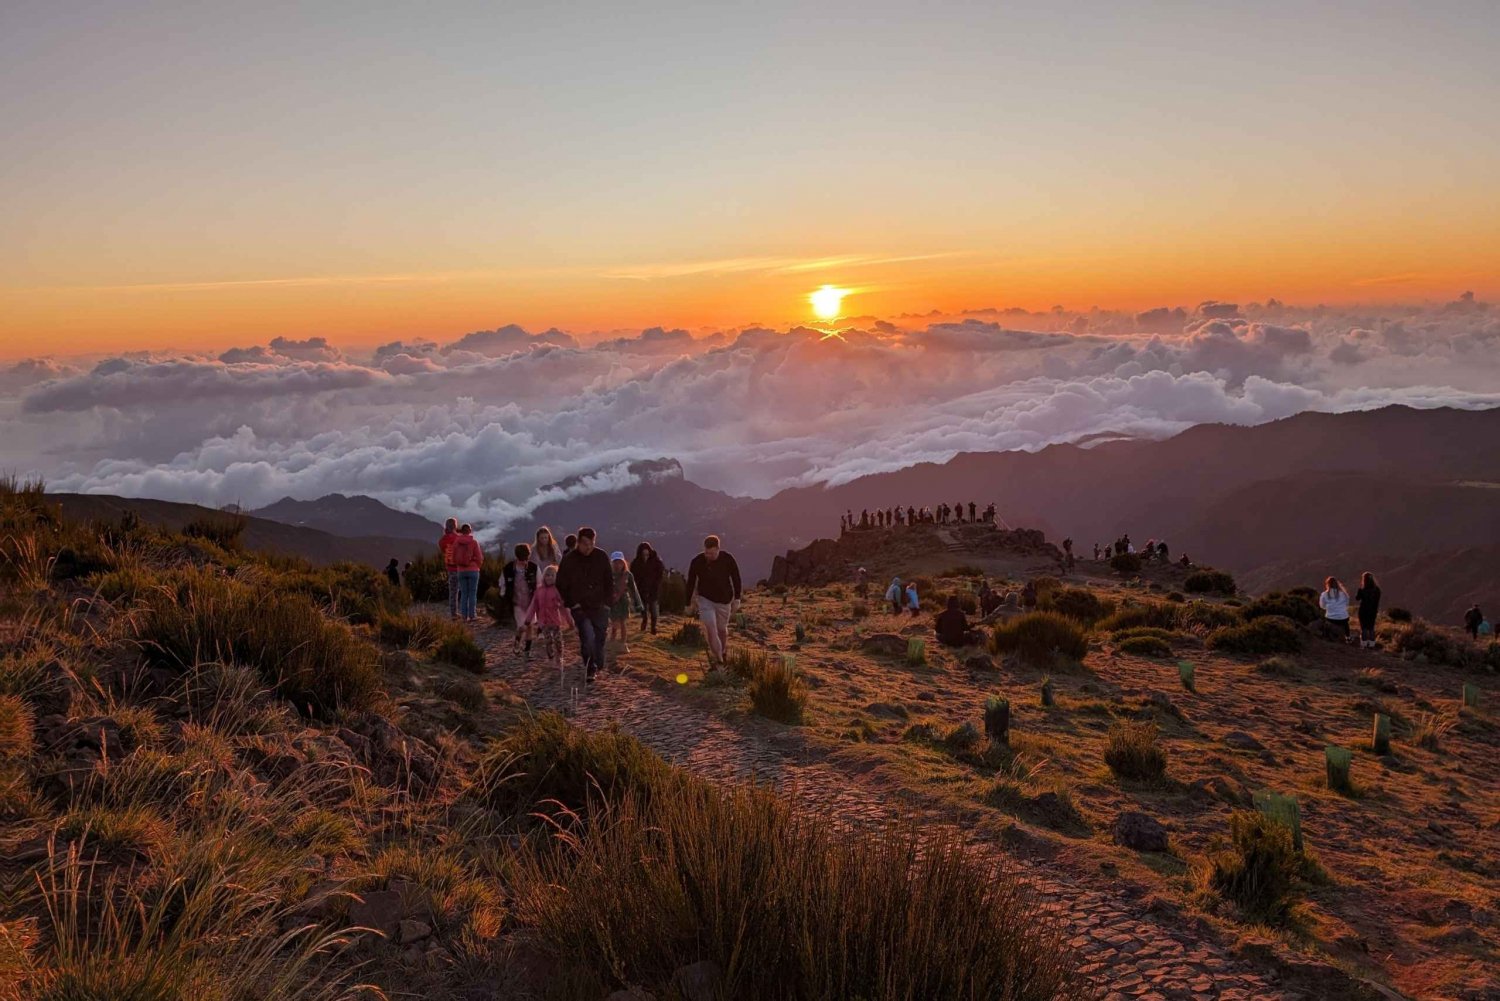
(1144, 646)
(1079, 603)
(1209, 581)
(787, 907)
(1146, 614)
(1040, 637)
(1428, 730)
(1267, 635)
(16, 722)
(1297, 607)
(1131, 752)
(777, 692)
(1258, 868)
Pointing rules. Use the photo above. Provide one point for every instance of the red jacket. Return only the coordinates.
(465, 553)
(445, 546)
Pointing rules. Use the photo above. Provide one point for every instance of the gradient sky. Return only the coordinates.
(205, 174)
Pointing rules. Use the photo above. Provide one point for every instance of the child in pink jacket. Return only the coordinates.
(549, 614)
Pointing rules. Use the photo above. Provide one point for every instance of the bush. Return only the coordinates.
(427, 579)
(962, 570)
(317, 664)
(223, 529)
(1038, 636)
(1208, 581)
(457, 647)
(1145, 646)
(543, 760)
(938, 601)
(1206, 616)
(1279, 667)
(1078, 603)
(1132, 752)
(1272, 634)
(1150, 614)
(1258, 869)
(673, 594)
(1288, 606)
(789, 907)
(1305, 593)
(689, 634)
(1398, 615)
(1420, 639)
(776, 692)
(1126, 563)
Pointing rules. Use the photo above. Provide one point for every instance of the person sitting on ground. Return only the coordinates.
(548, 615)
(1185, 562)
(393, 572)
(518, 583)
(1335, 604)
(1472, 618)
(953, 626)
(714, 577)
(1485, 629)
(1368, 600)
(912, 602)
(1149, 553)
(627, 599)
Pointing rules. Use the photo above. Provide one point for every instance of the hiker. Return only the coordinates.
(393, 572)
(518, 583)
(1161, 551)
(893, 594)
(468, 557)
(544, 551)
(627, 599)
(586, 582)
(714, 577)
(648, 570)
(960, 511)
(1368, 600)
(1472, 619)
(547, 615)
(843, 524)
(1096, 552)
(889, 518)
(953, 626)
(864, 518)
(1028, 595)
(1149, 553)
(911, 515)
(1335, 604)
(972, 509)
(1185, 563)
(445, 546)
(912, 602)
(989, 599)
(406, 573)
(862, 583)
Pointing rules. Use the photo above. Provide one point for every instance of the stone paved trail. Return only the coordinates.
(1130, 955)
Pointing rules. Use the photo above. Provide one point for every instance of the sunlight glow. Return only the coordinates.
(827, 301)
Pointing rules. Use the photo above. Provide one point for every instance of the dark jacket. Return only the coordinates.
(586, 582)
(648, 572)
(1369, 603)
(953, 627)
(508, 575)
(717, 581)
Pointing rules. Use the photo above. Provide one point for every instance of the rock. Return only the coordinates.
(700, 981)
(377, 909)
(980, 662)
(885, 643)
(887, 710)
(1241, 740)
(409, 931)
(927, 696)
(1162, 703)
(1140, 831)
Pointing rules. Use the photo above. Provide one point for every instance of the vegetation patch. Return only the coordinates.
(1038, 637)
(1144, 646)
(1257, 869)
(1268, 635)
(1132, 752)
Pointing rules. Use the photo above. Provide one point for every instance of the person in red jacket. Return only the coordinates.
(445, 547)
(468, 557)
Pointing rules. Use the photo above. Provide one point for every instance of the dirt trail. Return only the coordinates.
(1131, 955)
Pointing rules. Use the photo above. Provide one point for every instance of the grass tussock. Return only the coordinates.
(1132, 752)
(1078, 603)
(1208, 581)
(1258, 868)
(740, 880)
(1039, 637)
(1144, 646)
(1147, 614)
(777, 692)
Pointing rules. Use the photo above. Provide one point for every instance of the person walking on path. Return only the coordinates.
(586, 583)
(518, 583)
(648, 570)
(445, 547)
(548, 615)
(545, 551)
(626, 598)
(1368, 600)
(1472, 620)
(1335, 604)
(714, 577)
(468, 557)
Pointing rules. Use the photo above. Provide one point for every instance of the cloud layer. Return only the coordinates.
(482, 426)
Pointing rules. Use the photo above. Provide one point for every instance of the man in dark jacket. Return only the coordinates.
(714, 577)
(953, 626)
(648, 571)
(1472, 618)
(586, 582)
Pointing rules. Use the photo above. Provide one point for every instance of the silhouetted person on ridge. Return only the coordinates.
(911, 515)
(445, 546)
(1472, 618)
(972, 510)
(1161, 551)
(393, 571)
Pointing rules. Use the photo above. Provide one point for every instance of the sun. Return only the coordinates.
(827, 301)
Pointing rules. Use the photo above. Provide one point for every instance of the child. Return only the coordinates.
(547, 614)
(627, 599)
(518, 582)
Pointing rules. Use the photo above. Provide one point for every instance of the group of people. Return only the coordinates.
(1335, 603)
(893, 517)
(1156, 551)
(548, 589)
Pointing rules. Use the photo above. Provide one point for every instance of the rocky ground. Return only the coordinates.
(1409, 906)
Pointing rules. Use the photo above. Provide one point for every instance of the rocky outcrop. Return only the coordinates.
(827, 561)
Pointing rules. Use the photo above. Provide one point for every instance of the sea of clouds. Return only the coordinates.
(487, 424)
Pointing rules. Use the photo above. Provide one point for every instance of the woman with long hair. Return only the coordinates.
(1335, 604)
(1368, 600)
(545, 551)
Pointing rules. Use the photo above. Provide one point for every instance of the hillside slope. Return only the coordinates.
(351, 517)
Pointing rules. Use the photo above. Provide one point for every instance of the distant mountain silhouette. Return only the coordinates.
(351, 517)
(261, 534)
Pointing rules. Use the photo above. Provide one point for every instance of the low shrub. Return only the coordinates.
(1258, 869)
(1145, 646)
(223, 529)
(776, 691)
(1209, 582)
(466, 693)
(1151, 614)
(673, 595)
(1131, 752)
(1078, 603)
(1420, 639)
(16, 727)
(1205, 616)
(1038, 637)
(689, 634)
(1125, 563)
(1279, 667)
(455, 646)
(1271, 634)
(1398, 615)
(962, 570)
(1288, 606)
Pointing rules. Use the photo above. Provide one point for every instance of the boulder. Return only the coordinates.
(885, 643)
(700, 981)
(1140, 832)
(409, 931)
(377, 909)
(1242, 741)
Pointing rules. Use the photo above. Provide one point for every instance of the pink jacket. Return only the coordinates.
(445, 546)
(547, 607)
(465, 553)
